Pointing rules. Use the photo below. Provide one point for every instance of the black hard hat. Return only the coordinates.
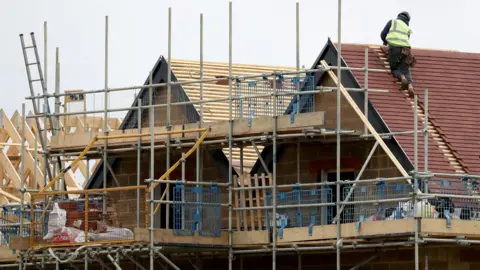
(404, 14)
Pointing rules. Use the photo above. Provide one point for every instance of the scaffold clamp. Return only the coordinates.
(357, 224)
(292, 113)
(310, 227)
(448, 218)
(250, 117)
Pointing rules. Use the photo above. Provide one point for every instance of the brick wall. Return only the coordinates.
(125, 170)
(439, 258)
(178, 113)
(327, 102)
(315, 156)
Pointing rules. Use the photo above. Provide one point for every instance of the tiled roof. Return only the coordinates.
(453, 81)
(454, 125)
(186, 70)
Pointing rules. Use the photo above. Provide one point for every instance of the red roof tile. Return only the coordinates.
(452, 80)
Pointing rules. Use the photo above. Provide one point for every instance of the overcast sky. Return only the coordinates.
(263, 33)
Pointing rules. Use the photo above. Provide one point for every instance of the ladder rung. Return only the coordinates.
(28, 47)
(31, 64)
(36, 80)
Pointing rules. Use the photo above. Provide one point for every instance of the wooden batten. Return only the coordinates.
(11, 132)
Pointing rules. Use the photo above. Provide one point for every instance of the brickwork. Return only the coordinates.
(327, 102)
(178, 113)
(315, 156)
(439, 258)
(125, 170)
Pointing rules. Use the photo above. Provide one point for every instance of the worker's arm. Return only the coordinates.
(384, 33)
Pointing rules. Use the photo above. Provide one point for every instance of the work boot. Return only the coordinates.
(404, 82)
(411, 92)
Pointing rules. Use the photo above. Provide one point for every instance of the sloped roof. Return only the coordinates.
(159, 75)
(188, 70)
(329, 54)
(185, 70)
(452, 82)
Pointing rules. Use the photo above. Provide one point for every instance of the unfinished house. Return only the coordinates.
(237, 166)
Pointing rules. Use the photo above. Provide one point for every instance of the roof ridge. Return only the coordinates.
(374, 46)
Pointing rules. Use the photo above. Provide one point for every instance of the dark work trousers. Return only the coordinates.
(398, 65)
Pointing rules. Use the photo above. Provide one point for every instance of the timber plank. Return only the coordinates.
(369, 228)
(219, 129)
(246, 238)
(167, 236)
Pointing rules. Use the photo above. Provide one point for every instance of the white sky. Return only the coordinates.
(263, 33)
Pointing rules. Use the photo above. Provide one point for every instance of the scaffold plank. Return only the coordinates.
(368, 228)
(437, 227)
(166, 236)
(219, 129)
(247, 238)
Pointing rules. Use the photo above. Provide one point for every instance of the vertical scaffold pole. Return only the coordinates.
(201, 96)
(45, 150)
(151, 120)
(274, 175)
(86, 179)
(35, 141)
(365, 84)
(61, 183)
(57, 88)
(45, 54)
(139, 154)
(425, 134)
(415, 178)
(105, 116)
(298, 83)
(230, 131)
(339, 111)
(22, 182)
(45, 83)
(298, 51)
(169, 109)
(201, 66)
(299, 261)
(198, 151)
(298, 162)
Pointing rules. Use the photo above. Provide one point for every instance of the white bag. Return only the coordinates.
(57, 219)
(113, 234)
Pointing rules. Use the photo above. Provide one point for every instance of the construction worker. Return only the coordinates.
(396, 35)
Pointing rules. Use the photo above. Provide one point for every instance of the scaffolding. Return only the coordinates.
(256, 203)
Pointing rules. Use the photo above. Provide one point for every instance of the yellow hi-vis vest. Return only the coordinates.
(398, 35)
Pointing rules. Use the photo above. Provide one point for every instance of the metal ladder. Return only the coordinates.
(31, 84)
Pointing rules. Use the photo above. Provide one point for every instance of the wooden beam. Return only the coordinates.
(28, 158)
(369, 126)
(80, 128)
(166, 236)
(368, 228)
(14, 198)
(70, 180)
(219, 129)
(93, 122)
(437, 227)
(12, 151)
(82, 167)
(30, 138)
(7, 255)
(246, 238)
(11, 171)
